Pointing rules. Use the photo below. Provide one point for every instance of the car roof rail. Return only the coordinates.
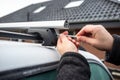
(43, 31)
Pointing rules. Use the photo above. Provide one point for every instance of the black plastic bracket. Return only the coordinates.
(47, 34)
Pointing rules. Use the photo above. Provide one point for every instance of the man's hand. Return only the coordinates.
(97, 36)
(65, 44)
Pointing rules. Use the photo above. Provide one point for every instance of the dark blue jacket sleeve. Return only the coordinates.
(113, 56)
(73, 66)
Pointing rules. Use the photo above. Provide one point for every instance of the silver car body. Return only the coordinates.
(15, 55)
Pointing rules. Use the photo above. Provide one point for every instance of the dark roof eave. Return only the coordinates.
(106, 24)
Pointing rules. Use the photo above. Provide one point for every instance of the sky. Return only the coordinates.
(9, 6)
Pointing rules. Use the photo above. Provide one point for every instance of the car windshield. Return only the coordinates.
(97, 73)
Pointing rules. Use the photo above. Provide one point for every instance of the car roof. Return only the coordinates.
(20, 54)
(89, 55)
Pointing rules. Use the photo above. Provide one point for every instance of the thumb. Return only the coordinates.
(63, 38)
(87, 40)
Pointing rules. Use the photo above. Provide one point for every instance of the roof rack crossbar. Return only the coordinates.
(36, 24)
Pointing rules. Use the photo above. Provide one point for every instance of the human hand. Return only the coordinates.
(97, 36)
(65, 44)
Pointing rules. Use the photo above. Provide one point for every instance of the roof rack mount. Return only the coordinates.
(43, 31)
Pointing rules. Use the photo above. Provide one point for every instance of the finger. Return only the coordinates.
(69, 38)
(65, 33)
(74, 41)
(87, 40)
(77, 44)
(63, 38)
(84, 30)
